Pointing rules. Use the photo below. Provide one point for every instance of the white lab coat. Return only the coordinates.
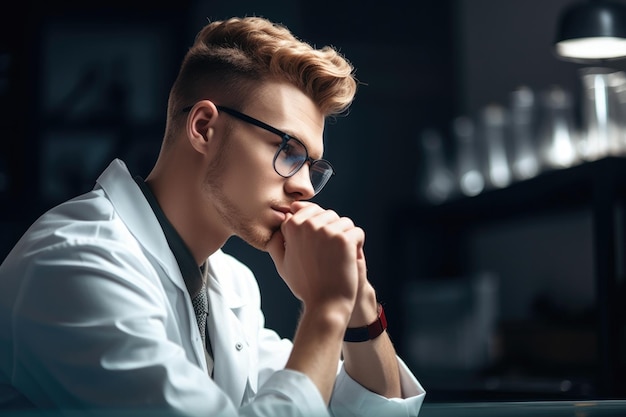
(94, 313)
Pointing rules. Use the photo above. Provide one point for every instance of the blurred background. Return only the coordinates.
(487, 174)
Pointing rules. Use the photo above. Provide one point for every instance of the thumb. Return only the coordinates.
(360, 254)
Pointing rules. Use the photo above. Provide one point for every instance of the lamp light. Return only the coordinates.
(594, 30)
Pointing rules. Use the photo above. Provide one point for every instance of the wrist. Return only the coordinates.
(369, 332)
(365, 308)
(332, 318)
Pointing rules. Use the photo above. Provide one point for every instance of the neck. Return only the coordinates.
(179, 192)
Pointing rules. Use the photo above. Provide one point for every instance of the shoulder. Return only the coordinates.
(89, 219)
(79, 234)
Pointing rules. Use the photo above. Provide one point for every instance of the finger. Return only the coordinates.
(342, 224)
(356, 236)
(276, 247)
(304, 207)
(361, 253)
(299, 205)
(321, 218)
(306, 213)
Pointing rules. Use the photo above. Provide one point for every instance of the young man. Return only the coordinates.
(121, 299)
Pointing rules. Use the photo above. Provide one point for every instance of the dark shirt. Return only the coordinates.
(191, 272)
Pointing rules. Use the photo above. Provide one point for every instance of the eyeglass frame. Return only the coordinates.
(285, 138)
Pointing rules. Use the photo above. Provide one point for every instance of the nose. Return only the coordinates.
(300, 183)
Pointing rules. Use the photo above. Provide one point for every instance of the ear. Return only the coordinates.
(200, 125)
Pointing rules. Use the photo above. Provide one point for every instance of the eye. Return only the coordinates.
(291, 149)
(288, 149)
(292, 153)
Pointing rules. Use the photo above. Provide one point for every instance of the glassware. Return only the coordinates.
(438, 183)
(602, 112)
(558, 134)
(494, 126)
(471, 180)
(525, 163)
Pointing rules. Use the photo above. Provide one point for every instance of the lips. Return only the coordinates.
(282, 209)
(281, 212)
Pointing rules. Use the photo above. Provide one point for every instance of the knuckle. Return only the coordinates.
(348, 221)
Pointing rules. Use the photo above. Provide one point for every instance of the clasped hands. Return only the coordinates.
(320, 257)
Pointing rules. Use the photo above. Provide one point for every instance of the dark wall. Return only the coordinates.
(92, 79)
(83, 82)
(407, 76)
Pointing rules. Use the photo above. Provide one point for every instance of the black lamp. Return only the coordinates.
(592, 31)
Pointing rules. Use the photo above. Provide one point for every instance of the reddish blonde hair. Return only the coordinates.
(229, 57)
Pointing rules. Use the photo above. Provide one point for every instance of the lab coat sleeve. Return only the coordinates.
(350, 399)
(89, 335)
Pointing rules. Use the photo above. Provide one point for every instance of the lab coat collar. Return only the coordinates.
(233, 366)
(131, 205)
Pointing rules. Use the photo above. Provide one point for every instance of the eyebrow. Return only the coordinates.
(306, 145)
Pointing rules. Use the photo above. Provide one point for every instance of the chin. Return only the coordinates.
(258, 238)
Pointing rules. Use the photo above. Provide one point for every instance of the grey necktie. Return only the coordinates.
(200, 303)
(201, 307)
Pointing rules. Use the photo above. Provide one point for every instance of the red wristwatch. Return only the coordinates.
(369, 332)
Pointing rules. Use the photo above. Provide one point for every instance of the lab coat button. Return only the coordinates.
(238, 346)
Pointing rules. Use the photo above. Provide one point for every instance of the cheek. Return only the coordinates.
(246, 168)
(250, 175)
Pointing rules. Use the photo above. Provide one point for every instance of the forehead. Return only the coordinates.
(285, 107)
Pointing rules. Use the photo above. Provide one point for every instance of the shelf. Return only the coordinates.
(432, 240)
(551, 190)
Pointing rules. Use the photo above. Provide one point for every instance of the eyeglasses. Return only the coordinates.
(291, 154)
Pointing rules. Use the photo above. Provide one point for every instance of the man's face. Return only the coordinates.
(241, 183)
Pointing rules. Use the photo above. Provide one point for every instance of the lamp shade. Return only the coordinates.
(594, 30)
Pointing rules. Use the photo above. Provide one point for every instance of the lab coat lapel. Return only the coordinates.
(133, 208)
(230, 348)
(233, 328)
(135, 211)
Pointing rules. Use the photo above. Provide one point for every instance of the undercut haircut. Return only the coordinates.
(229, 57)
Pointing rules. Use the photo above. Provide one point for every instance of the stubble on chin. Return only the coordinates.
(242, 226)
(247, 228)
(257, 239)
(254, 232)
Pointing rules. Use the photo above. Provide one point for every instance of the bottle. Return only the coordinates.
(525, 163)
(438, 184)
(602, 112)
(558, 134)
(494, 126)
(470, 178)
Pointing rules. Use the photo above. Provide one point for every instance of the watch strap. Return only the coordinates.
(369, 332)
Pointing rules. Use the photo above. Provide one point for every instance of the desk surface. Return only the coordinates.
(604, 408)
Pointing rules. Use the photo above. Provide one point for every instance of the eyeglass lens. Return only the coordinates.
(292, 155)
